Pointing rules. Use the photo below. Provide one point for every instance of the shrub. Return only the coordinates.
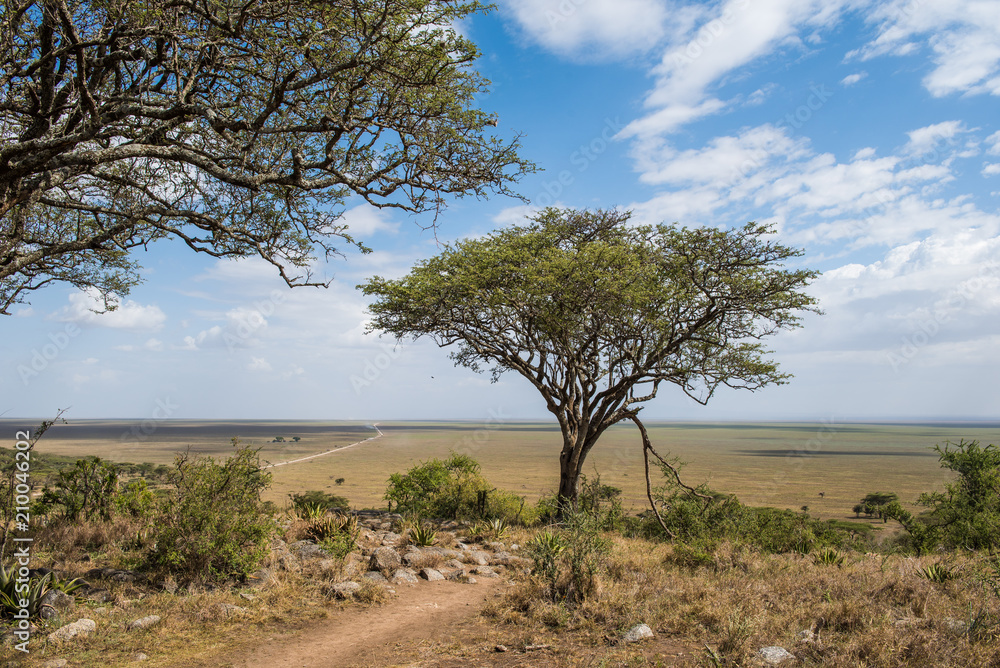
(84, 491)
(452, 488)
(212, 524)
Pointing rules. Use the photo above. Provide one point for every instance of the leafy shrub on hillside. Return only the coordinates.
(967, 514)
(452, 488)
(84, 491)
(212, 524)
(710, 517)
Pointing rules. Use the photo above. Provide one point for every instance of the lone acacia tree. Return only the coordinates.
(240, 128)
(597, 314)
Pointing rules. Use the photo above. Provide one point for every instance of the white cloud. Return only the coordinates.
(927, 139)
(365, 220)
(964, 36)
(734, 34)
(993, 142)
(590, 29)
(258, 364)
(128, 315)
(852, 79)
(991, 169)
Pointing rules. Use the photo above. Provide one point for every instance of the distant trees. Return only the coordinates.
(875, 504)
(597, 313)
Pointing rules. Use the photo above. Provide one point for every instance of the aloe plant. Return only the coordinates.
(11, 597)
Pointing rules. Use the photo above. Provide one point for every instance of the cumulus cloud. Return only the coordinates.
(258, 364)
(991, 169)
(365, 220)
(964, 38)
(590, 29)
(83, 306)
(852, 79)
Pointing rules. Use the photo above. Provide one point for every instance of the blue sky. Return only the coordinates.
(866, 132)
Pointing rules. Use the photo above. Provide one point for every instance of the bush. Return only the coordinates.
(84, 491)
(707, 519)
(451, 489)
(569, 560)
(212, 524)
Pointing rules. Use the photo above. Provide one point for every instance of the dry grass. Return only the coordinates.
(874, 610)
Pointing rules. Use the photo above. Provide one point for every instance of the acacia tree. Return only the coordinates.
(597, 314)
(240, 128)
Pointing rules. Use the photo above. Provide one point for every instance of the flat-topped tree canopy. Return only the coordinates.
(597, 313)
(239, 128)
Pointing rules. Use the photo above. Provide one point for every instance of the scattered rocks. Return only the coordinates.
(431, 575)
(453, 563)
(500, 648)
(774, 655)
(283, 556)
(391, 538)
(81, 628)
(55, 603)
(384, 559)
(306, 549)
(637, 633)
(404, 575)
(476, 557)
(143, 623)
(484, 571)
(111, 574)
(345, 590)
(375, 576)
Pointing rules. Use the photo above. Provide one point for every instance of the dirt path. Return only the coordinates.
(327, 452)
(418, 614)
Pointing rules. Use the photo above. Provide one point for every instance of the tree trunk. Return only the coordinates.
(569, 482)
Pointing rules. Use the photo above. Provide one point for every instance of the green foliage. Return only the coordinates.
(544, 550)
(340, 481)
(966, 515)
(569, 560)
(15, 591)
(700, 521)
(422, 535)
(84, 491)
(336, 532)
(937, 572)
(452, 488)
(317, 502)
(875, 504)
(135, 499)
(212, 524)
(830, 556)
(968, 511)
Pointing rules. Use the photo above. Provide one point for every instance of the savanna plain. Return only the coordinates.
(857, 595)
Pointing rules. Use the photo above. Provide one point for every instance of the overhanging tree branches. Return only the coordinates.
(596, 314)
(238, 127)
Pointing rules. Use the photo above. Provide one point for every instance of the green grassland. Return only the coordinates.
(785, 465)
